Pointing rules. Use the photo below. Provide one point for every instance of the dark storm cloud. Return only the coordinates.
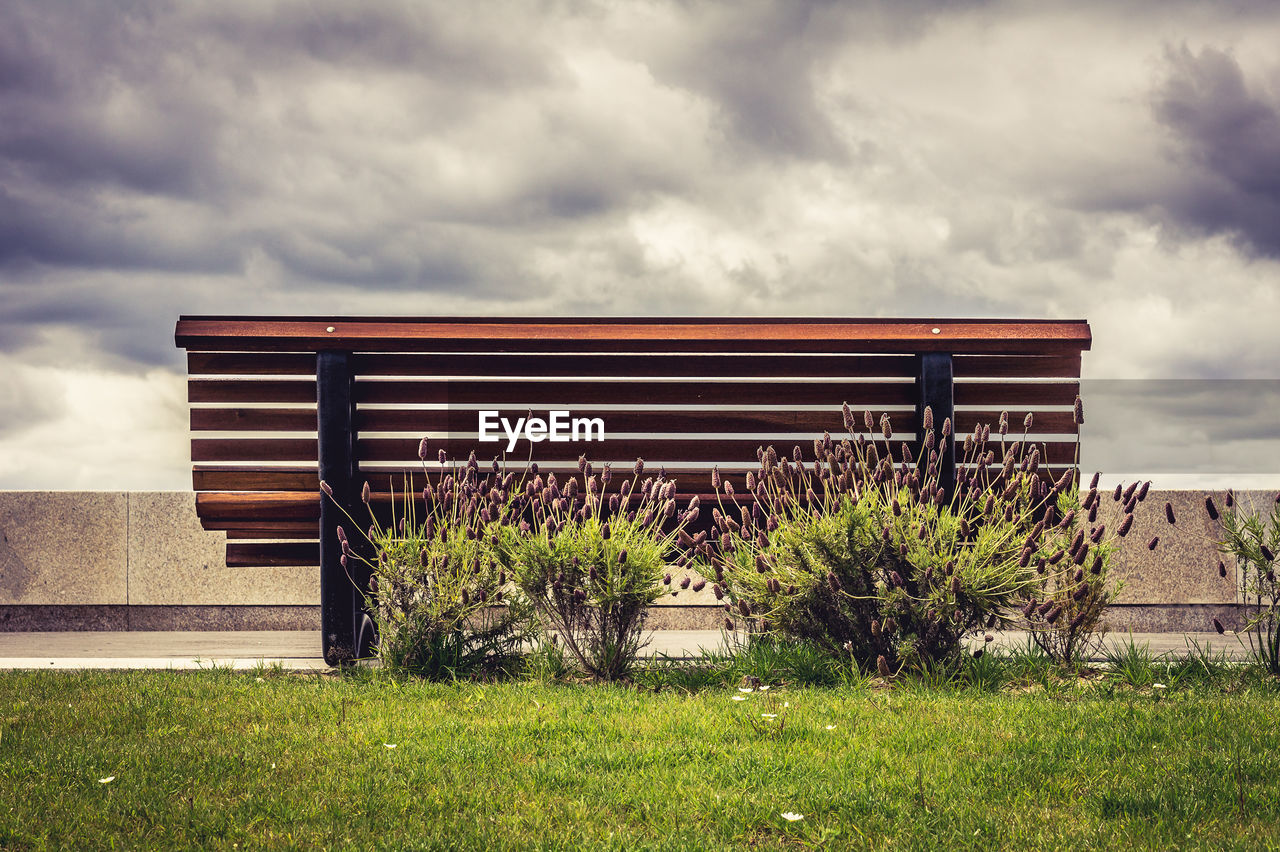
(105, 111)
(1228, 133)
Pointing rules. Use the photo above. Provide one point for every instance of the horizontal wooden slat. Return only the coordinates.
(275, 505)
(632, 364)
(464, 392)
(251, 390)
(251, 364)
(655, 420)
(1065, 366)
(1006, 394)
(253, 449)
(651, 421)
(654, 452)
(425, 334)
(253, 419)
(254, 478)
(249, 530)
(269, 554)
(1053, 422)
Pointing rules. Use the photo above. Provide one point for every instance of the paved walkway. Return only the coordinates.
(300, 650)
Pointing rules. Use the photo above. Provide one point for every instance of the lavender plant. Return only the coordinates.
(1064, 609)
(439, 600)
(590, 562)
(1254, 543)
(861, 551)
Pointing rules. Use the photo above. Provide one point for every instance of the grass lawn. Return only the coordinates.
(221, 759)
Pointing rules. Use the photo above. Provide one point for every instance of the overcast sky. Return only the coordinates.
(1114, 161)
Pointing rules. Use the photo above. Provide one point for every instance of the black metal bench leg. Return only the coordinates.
(341, 589)
(935, 388)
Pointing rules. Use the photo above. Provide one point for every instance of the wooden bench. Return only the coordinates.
(278, 403)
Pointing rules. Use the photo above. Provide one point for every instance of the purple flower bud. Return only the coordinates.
(1168, 513)
(1142, 492)
(715, 478)
(1217, 625)
(728, 624)
(324, 486)
(684, 584)
(1211, 508)
(666, 579)
(441, 457)
(1125, 525)
(1077, 412)
(364, 494)
(1267, 555)
(1155, 540)
(1222, 569)
(1096, 568)
(882, 666)
(833, 581)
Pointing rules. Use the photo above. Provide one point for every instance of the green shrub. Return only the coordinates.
(861, 552)
(440, 602)
(590, 563)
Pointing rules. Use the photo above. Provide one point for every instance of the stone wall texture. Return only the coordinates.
(140, 560)
(142, 548)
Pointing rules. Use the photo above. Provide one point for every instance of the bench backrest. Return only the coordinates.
(683, 393)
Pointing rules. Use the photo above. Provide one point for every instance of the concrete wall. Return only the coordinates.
(139, 560)
(116, 560)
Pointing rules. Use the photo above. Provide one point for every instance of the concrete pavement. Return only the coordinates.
(300, 650)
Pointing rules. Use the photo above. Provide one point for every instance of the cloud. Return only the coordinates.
(1228, 135)
(757, 158)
